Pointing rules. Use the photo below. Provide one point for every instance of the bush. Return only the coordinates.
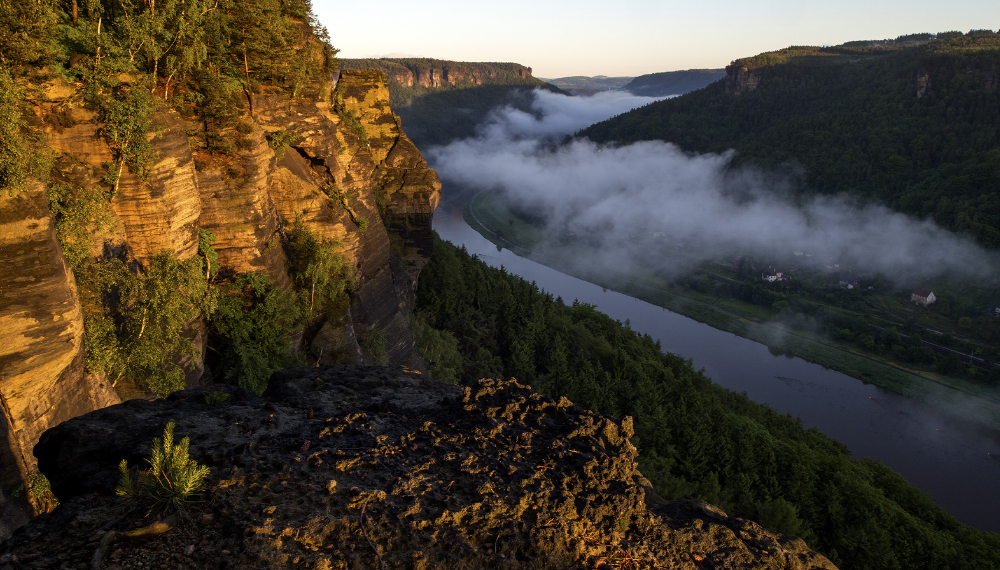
(171, 481)
(375, 345)
(281, 140)
(135, 324)
(256, 321)
(317, 267)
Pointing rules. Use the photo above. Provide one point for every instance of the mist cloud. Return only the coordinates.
(617, 197)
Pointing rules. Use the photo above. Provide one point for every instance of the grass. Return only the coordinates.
(488, 216)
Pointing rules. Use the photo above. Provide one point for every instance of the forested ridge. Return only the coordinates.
(695, 438)
(911, 123)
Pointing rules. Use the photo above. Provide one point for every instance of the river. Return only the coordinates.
(954, 461)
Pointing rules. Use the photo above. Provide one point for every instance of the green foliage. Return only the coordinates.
(217, 397)
(23, 153)
(136, 321)
(318, 267)
(362, 225)
(205, 241)
(39, 493)
(14, 152)
(695, 438)
(26, 31)
(855, 119)
(375, 345)
(439, 349)
(172, 480)
(78, 216)
(281, 140)
(128, 124)
(255, 321)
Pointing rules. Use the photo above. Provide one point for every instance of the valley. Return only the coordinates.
(704, 295)
(211, 223)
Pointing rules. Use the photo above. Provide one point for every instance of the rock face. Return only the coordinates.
(344, 467)
(42, 380)
(741, 80)
(436, 73)
(246, 204)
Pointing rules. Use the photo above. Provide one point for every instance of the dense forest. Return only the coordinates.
(208, 61)
(912, 123)
(695, 438)
(440, 101)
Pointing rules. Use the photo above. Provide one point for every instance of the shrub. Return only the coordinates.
(39, 493)
(317, 266)
(135, 323)
(281, 140)
(375, 345)
(171, 481)
(255, 321)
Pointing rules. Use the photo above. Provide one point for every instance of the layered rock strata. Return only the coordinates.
(340, 178)
(42, 380)
(343, 467)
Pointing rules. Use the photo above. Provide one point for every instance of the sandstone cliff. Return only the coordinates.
(370, 467)
(368, 160)
(740, 79)
(42, 376)
(436, 73)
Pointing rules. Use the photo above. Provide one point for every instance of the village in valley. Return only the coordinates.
(941, 326)
(947, 327)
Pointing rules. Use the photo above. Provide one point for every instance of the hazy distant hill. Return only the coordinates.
(583, 85)
(913, 123)
(440, 100)
(673, 82)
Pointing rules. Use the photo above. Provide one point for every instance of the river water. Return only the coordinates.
(946, 457)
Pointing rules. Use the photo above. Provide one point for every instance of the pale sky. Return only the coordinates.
(560, 38)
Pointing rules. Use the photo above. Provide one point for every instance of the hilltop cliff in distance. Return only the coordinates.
(440, 100)
(910, 123)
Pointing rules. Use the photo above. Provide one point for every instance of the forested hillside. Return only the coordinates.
(583, 85)
(695, 438)
(913, 123)
(673, 82)
(440, 101)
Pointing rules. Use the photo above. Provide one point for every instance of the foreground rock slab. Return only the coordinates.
(355, 467)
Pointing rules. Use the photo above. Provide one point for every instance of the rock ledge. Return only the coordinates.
(494, 476)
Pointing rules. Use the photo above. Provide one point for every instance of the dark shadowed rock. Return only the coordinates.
(494, 476)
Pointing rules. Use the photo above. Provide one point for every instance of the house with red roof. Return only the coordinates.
(922, 296)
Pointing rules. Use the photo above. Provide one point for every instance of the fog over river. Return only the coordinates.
(954, 461)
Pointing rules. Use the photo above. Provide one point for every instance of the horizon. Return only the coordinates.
(559, 39)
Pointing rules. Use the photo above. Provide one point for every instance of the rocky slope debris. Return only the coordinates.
(350, 467)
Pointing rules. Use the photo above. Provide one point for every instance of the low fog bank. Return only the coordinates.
(650, 201)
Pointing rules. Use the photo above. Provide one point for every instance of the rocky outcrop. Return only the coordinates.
(924, 83)
(42, 380)
(245, 200)
(741, 79)
(342, 467)
(436, 73)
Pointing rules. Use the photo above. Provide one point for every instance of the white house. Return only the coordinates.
(922, 297)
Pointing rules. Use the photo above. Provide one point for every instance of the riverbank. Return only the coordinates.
(493, 221)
